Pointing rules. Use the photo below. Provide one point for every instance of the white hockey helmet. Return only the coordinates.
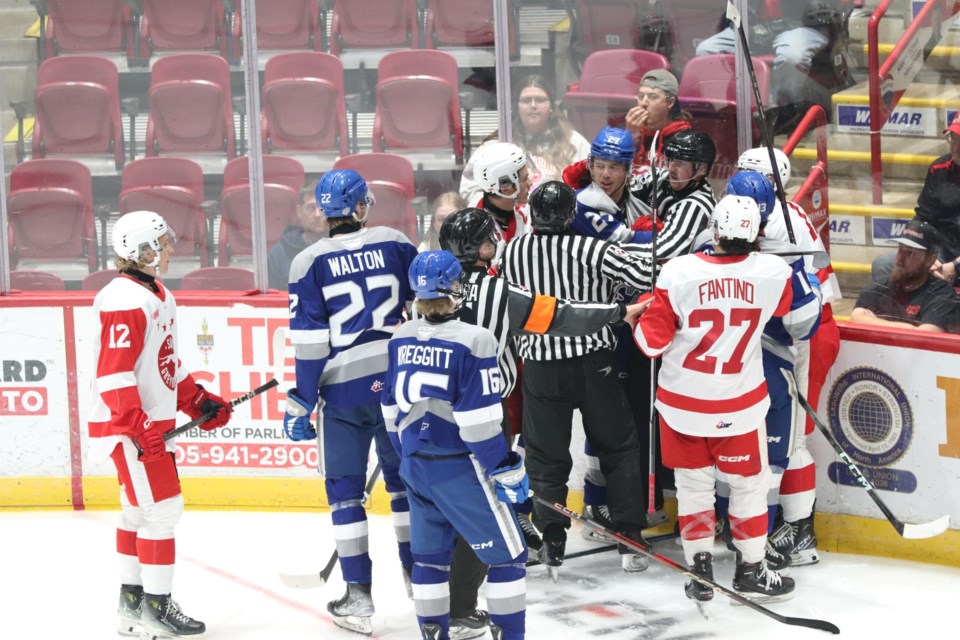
(138, 228)
(497, 165)
(737, 218)
(759, 160)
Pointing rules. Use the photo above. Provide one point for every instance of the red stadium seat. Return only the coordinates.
(50, 209)
(77, 103)
(282, 180)
(303, 105)
(98, 279)
(466, 23)
(287, 24)
(36, 281)
(608, 88)
(417, 103)
(191, 110)
(80, 26)
(708, 93)
(173, 187)
(390, 179)
(606, 24)
(373, 24)
(184, 25)
(219, 279)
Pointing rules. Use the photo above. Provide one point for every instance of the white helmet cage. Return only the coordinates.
(737, 218)
(498, 165)
(137, 229)
(759, 160)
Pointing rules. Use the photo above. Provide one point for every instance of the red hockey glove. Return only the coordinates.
(645, 223)
(204, 402)
(152, 444)
(577, 175)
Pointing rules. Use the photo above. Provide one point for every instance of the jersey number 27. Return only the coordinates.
(698, 360)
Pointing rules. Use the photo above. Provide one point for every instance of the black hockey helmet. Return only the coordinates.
(465, 230)
(692, 146)
(821, 13)
(552, 206)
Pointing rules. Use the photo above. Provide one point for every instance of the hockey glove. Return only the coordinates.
(152, 444)
(296, 420)
(513, 485)
(204, 402)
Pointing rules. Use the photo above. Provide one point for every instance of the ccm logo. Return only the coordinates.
(23, 401)
(734, 458)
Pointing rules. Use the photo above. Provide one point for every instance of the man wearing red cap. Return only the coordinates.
(939, 201)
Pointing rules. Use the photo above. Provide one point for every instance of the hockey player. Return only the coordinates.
(473, 237)
(795, 536)
(566, 373)
(704, 321)
(505, 175)
(441, 400)
(139, 387)
(347, 293)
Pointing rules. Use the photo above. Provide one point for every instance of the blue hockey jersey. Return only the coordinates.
(347, 295)
(442, 392)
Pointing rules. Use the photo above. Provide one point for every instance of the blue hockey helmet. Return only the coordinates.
(615, 145)
(435, 274)
(339, 192)
(753, 185)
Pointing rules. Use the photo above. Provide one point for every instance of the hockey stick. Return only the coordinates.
(734, 16)
(652, 426)
(905, 529)
(810, 623)
(609, 547)
(207, 416)
(314, 580)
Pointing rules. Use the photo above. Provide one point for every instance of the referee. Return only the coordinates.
(566, 373)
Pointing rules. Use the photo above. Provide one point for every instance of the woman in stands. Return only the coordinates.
(542, 130)
(445, 204)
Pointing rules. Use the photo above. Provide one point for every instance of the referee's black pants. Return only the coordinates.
(552, 390)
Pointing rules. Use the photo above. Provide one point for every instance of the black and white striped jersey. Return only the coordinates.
(684, 213)
(574, 268)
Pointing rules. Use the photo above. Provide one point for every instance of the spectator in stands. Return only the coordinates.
(445, 204)
(911, 297)
(658, 109)
(542, 130)
(296, 238)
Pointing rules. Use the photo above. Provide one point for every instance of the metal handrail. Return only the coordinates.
(818, 178)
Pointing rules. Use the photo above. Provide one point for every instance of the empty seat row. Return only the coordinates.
(50, 207)
(109, 26)
(77, 106)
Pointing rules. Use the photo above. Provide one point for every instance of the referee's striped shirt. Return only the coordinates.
(575, 268)
(485, 305)
(684, 213)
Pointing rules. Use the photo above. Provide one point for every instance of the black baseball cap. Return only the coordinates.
(921, 235)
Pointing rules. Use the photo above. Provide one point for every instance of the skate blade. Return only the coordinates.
(592, 535)
(153, 634)
(804, 558)
(632, 563)
(704, 609)
(357, 624)
(465, 633)
(760, 598)
(129, 628)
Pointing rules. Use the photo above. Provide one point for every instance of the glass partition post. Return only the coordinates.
(501, 50)
(744, 89)
(4, 241)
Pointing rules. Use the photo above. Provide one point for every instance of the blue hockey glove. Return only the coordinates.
(296, 421)
(513, 485)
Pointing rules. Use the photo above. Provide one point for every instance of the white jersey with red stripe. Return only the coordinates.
(135, 348)
(807, 239)
(706, 321)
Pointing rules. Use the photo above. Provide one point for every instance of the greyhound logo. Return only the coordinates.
(167, 363)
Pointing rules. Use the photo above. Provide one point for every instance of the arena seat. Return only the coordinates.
(287, 24)
(708, 93)
(608, 88)
(303, 104)
(81, 26)
(36, 281)
(603, 24)
(283, 178)
(390, 179)
(219, 279)
(50, 210)
(77, 105)
(191, 110)
(417, 103)
(185, 25)
(172, 187)
(466, 23)
(98, 279)
(373, 24)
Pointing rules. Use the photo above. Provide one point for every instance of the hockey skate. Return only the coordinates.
(431, 631)
(496, 631)
(700, 593)
(131, 604)
(530, 532)
(755, 581)
(601, 515)
(630, 560)
(162, 618)
(776, 561)
(473, 626)
(554, 546)
(797, 541)
(354, 610)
